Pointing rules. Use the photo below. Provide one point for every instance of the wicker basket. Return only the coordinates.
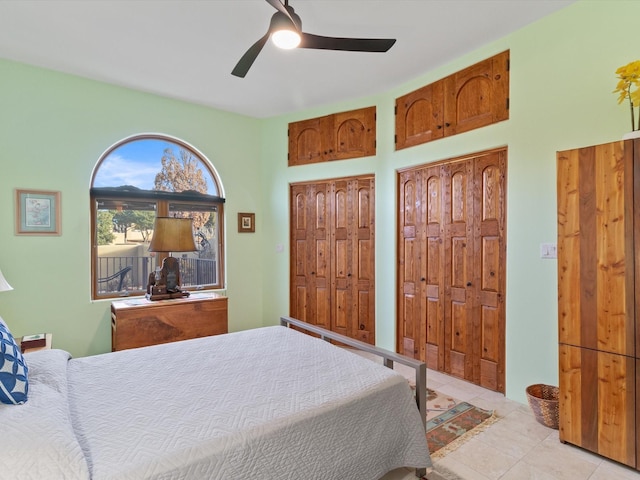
(543, 400)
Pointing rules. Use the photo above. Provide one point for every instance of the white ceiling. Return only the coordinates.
(186, 49)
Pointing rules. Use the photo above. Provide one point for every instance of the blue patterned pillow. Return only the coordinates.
(13, 369)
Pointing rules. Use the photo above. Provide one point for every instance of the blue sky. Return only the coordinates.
(137, 163)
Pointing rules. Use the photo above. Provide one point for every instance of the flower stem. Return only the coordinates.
(633, 119)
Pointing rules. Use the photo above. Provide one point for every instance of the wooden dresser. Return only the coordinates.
(138, 322)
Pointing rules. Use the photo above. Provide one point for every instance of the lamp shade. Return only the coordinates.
(172, 235)
(4, 285)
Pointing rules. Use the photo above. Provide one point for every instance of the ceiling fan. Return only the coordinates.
(286, 32)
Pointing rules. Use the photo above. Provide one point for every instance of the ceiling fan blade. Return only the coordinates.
(281, 8)
(244, 64)
(349, 44)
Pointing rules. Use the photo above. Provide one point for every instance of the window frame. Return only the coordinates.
(162, 201)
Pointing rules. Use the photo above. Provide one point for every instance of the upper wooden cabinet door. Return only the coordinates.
(305, 142)
(419, 116)
(333, 137)
(351, 134)
(477, 96)
(471, 98)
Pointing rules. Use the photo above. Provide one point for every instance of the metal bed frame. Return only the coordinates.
(388, 358)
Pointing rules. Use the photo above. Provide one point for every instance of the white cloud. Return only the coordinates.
(116, 170)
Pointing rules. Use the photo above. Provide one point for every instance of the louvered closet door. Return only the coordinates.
(458, 276)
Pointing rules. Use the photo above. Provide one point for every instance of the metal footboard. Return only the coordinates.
(388, 358)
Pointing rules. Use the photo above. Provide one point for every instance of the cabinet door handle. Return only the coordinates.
(447, 124)
(468, 284)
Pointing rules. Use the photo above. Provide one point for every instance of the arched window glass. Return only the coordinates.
(136, 180)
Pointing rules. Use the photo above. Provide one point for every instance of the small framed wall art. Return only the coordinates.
(37, 212)
(246, 222)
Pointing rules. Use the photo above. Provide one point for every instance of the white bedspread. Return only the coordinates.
(269, 403)
(37, 441)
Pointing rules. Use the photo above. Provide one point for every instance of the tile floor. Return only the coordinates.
(516, 447)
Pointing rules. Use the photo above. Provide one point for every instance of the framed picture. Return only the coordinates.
(37, 212)
(246, 222)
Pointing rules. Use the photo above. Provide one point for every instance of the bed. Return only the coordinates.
(268, 403)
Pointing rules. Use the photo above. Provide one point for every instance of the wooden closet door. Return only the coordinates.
(489, 270)
(333, 255)
(451, 267)
(341, 285)
(352, 272)
(459, 294)
(300, 245)
(433, 266)
(362, 263)
(311, 249)
(411, 280)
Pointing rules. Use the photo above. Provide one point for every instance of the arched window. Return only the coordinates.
(136, 180)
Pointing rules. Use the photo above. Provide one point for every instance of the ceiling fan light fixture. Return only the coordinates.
(286, 39)
(286, 32)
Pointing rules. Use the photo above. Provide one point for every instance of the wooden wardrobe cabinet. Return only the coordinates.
(598, 191)
(471, 98)
(332, 256)
(333, 137)
(451, 267)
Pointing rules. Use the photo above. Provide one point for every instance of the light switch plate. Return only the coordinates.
(548, 250)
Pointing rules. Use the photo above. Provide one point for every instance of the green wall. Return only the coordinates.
(562, 76)
(54, 127)
(53, 130)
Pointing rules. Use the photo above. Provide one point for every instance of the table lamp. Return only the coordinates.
(170, 234)
(4, 285)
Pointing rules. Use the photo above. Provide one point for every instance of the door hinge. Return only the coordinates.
(395, 110)
(508, 64)
(507, 103)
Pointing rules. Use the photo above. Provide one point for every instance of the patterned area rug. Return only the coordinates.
(450, 422)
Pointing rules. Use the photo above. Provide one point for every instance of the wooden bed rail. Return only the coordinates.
(388, 358)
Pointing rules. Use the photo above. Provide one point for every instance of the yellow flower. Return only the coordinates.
(629, 77)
